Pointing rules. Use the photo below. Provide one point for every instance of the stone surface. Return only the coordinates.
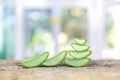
(97, 70)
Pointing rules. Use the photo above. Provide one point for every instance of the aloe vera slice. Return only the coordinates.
(78, 47)
(80, 55)
(36, 61)
(78, 63)
(54, 61)
(80, 41)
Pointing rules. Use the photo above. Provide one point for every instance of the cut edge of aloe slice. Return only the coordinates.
(81, 47)
(31, 63)
(78, 63)
(80, 41)
(79, 55)
(60, 54)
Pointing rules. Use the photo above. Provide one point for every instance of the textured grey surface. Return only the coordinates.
(97, 70)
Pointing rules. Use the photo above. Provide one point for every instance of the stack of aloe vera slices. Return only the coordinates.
(79, 56)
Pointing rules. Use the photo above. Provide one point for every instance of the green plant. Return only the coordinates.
(36, 61)
(78, 56)
(56, 60)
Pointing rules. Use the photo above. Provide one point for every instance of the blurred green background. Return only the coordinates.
(27, 28)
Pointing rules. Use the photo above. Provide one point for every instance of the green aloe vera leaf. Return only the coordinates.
(56, 60)
(78, 47)
(77, 62)
(36, 61)
(80, 55)
(80, 41)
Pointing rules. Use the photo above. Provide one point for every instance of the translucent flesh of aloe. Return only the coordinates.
(36, 61)
(78, 47)
(78, 63)
(80, 41)
(80, 55)
(54, 61)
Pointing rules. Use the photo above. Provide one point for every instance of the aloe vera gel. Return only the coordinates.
(56, 60)
(79, 56)
(78, 62)
(36, 61)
